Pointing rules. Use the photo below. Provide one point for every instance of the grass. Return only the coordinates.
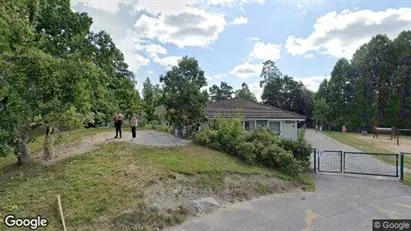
(104, 189)
(350, 139)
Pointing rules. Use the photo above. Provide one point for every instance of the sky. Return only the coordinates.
(232, 38)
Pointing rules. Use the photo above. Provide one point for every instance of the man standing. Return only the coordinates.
(133, 124)
(118, 121)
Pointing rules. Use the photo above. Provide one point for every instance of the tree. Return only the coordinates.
(149, 104)
(320, 111)
(55, 72)
(339, 96)
(184, 101)
(286, 93)
(223, 92)
(245, 93)
(269, 72)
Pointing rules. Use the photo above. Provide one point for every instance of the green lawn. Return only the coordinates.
(105, 187)
(350, 139)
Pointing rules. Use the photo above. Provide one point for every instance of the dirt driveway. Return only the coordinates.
(143, 137)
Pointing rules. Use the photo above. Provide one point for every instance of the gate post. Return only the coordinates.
(343, 162)
(401, 166)
(315, 160)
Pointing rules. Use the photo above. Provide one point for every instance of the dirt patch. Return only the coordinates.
(180, 190)
(385, 142)
(151, 138)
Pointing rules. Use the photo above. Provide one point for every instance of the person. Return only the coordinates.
(344, 129)
(133, 124)
(118, 122)
(316, 128)
(321, 128)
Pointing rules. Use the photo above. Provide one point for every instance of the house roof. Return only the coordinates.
(248, 109)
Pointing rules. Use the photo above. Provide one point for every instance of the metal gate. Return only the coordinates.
(360, 163)
(330, 161)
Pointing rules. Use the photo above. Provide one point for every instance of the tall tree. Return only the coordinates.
(245, 93)
(269, 72)
(223, 92)
(149, 104)
(286, 93)
(321, 111)
(339, 92)
(55, 72)
(184, 101)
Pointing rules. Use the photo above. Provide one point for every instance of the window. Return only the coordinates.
(262, 123)
(275, 127)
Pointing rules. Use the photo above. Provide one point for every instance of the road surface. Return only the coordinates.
(339, 203)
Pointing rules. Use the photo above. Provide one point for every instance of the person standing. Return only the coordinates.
(133, 124)
(316, 128)
(118, 122)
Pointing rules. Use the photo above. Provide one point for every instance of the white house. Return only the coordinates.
(255, 114)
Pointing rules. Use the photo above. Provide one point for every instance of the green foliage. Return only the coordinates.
(149, 101)
(259, 146)
(283, 91)
(245, 93)
(374, 87)
(223, 92)
(321, 111)
(184, 101)
(300, 149)
(54, 70)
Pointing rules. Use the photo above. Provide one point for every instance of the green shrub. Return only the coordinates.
(247, 152)
(205, 137)
(229, 134)
(276, 157)
(262, 135)
(300, 149)
(259, 146)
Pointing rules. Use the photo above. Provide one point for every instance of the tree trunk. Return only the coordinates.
(48, 146)
(23, 156)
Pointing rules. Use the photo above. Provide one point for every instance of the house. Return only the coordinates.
(282, 122)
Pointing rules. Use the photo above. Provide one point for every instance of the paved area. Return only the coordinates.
(339, 203)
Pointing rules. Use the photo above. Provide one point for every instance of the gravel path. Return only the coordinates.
(158, 139)
(152, 138)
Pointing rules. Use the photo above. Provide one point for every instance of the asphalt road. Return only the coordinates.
(339, 203)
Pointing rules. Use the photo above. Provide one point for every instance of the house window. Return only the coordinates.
(275, 127)
(262, 123)
(247, 125)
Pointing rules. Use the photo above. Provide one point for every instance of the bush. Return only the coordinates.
(259, 146)
(300, 149)
(247, 152)
(262, 135)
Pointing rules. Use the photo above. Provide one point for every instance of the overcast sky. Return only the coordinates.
(231, 38)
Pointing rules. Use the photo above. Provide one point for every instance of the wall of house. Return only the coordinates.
(284, 128)
(289, 129)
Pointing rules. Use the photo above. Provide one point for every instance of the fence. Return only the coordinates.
(360, 163)
(402, 160)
